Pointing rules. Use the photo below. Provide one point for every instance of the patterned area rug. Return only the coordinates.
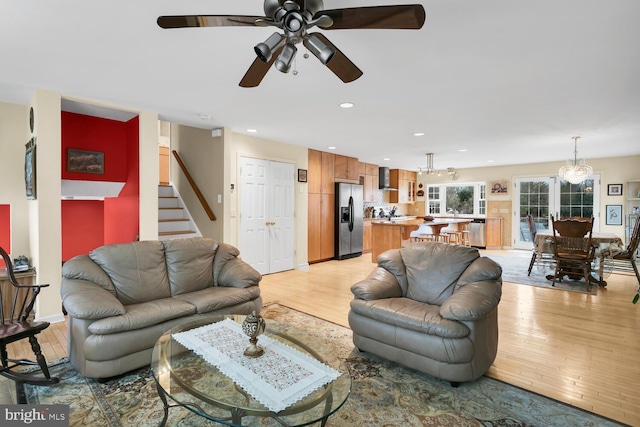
(383, 394)
(514, 270)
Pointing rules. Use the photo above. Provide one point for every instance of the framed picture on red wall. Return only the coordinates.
(84, 161)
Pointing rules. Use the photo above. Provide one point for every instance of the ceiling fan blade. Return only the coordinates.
(258, 70)
(186, 21)
(402, 17)
(339, 63)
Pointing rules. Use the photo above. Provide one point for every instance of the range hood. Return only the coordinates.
(89, 190)
(384, 179)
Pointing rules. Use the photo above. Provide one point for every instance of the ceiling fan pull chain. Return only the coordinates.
(295, 66)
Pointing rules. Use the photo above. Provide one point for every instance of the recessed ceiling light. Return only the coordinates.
(347, 105)
(331, 148)
(489, 161)
(462, 150)
(386, 159)
(418, 134)
(252, 130)
(204, 117)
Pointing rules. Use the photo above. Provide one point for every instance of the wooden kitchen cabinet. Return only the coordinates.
(366, 236)
(328, 180)
(346, 168)
(371, 183)
(405, 182)
(321, 199)
(494, 230)
(314, 172)
(320, 234)
(320, 177)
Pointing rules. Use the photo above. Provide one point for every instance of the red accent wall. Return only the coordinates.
(95, 134)
(121, 214)
(5, 230)
(87, 224)
(82, 227)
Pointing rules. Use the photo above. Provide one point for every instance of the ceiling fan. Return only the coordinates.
(294, 18)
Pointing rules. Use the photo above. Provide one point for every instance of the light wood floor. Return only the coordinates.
(576, 348)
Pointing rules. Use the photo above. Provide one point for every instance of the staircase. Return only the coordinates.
(174, 220)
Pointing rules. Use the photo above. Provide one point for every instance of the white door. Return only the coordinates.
(546, 196)
(266, 214)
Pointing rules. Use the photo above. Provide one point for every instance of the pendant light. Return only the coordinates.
(575, 171)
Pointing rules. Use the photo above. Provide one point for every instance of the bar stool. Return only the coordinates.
(423, 238)
(455, 237)
(443, 237)
(466, 239)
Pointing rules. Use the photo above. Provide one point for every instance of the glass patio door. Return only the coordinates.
(546, 196)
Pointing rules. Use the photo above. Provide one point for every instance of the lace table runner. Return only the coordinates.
(277, 379)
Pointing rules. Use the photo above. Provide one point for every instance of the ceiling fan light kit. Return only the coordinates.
(285, 59)
(265, 50)
(294, 18)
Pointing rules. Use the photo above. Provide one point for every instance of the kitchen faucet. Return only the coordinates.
(453, 211)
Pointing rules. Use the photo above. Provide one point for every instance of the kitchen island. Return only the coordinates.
(387, 235)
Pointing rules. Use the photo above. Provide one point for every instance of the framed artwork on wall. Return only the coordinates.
(614, 190)
(30, 169)
(614, 214)
(302, 175)
(84, 161)
(499, 187)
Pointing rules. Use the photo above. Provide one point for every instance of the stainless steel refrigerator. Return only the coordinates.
(349, 220)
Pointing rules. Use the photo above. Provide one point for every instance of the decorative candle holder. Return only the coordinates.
(253, 325)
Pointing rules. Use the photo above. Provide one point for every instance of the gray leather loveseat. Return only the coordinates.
(432, 307)
(120, 298)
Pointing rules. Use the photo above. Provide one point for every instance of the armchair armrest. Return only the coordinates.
(379, 284)
(86, 300)
(473, 301)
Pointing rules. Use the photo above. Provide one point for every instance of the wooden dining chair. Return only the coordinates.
(572, 248)
(16, 324)
(616, 260)
(538, 254)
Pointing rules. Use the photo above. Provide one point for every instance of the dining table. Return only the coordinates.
(600, 240)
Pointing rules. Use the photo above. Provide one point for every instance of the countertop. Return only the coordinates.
(419, 221)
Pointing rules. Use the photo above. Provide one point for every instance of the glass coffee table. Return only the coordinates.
(191, 382)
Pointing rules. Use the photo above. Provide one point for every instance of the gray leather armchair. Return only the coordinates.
(432, 307)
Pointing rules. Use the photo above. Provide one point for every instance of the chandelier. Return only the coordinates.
(575, 171)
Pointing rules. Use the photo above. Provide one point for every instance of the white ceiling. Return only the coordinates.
(509, 81)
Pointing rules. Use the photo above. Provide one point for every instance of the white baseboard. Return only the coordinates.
(303, 267)
(56, 318)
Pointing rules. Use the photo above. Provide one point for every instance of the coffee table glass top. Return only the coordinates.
(190, 381)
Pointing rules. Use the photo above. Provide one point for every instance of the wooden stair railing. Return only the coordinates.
(203, 201)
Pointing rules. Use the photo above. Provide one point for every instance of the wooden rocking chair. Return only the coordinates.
(16, 325)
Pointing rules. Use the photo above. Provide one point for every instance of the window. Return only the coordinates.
(433, 199)
(459, 199)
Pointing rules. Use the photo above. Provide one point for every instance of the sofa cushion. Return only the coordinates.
(189, 263)
(406, 313)
(219, 297)
(434, 268)
(137, 270)
(141, 315)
